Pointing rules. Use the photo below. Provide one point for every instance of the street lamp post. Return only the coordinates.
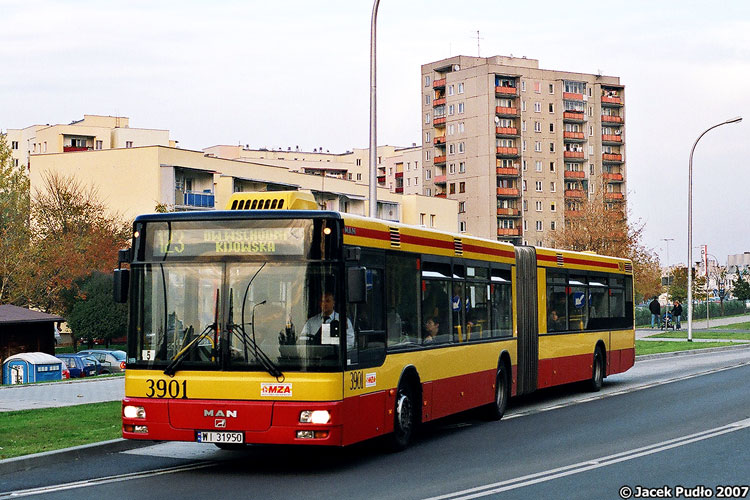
(373, 117)
(690, 223)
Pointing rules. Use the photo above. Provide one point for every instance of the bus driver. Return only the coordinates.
(314, 327)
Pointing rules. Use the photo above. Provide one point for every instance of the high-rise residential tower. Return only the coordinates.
(520, 148)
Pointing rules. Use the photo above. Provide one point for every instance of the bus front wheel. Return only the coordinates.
(403, 419)
(597, 371)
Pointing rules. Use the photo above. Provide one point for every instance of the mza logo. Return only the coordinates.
(284, 390)
(371, 379)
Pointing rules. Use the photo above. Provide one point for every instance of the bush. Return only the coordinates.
(642, 316)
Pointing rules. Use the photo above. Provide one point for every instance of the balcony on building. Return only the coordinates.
(572, 96)
(575, 174)
(506, 151)
(506, 131)
(509, 212)
(612, 119)
(574, 136)
(399, 175)
(508, 192)
(439, 140)
(399, 189)
(612, 177)
(611, 157)
(440, 179)
(505, 91)
(574, 155)
(507, 171)
(506, 111)
(439, 160)
(193, 199)
(441, 194)
(438, 102)
(611, 97)
(439, 84)
(611, 139)
(574, 193)
(73, 143)
(381, 179)
(573, 116)
(439, 121)
(614, 197)
(515, 231)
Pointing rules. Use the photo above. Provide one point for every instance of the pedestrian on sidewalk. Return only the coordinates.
(676, 313)
(655, 309)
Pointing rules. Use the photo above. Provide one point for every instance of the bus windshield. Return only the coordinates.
(201, 310)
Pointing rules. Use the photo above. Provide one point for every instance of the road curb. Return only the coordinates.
(691, 352)
(25, 462)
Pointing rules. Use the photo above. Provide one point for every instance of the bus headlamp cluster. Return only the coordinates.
(134, 412)
(314, 417)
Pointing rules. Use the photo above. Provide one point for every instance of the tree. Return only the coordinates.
(602, 227)
(95, 315)
(678, 289)
(741, 286)
(73, 235)
(14, 228)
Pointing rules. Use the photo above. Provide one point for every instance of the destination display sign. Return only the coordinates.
(226, 238)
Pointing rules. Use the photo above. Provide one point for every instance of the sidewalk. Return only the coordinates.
(72, 392)
(644, 333)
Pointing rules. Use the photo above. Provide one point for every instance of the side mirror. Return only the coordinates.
(356, 281)
(120, 285)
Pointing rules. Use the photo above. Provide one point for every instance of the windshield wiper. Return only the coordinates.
(177, 359)
(239, 331)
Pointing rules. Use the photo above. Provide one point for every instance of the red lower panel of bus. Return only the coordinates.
(567, 369)
(261, 421)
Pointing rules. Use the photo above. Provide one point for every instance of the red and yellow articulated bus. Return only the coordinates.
(271, 322)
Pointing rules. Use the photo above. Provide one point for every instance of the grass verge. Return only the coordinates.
(703, 334)
(33, 431)
(736, 326)
(657, 347)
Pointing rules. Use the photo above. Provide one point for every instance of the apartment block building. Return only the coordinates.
(520, 148)
(92, 133)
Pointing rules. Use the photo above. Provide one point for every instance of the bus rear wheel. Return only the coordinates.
(597, 371)
(496, 409)
(403, 419)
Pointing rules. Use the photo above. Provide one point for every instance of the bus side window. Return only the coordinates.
(367, 320)
(401, 297)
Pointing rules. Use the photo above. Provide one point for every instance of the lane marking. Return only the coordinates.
(104, 480)
(568, 470)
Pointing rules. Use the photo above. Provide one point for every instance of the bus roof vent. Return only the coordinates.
(395, 237)
(458, 246)
(273, 200)
(628, 267)
(560, 259)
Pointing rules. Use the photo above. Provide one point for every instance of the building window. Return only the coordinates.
(421, 218)
(461, 167)
(525, 205)
(552, 225)
(432, 220)
(14, 145)
(427, 81)
(591, 111)
(349, 176)
(537, 107)
(128, 144)
(359, 177)
(44, 147)
(591, 150)
(537, 126)
(524, 184)
(539, 225)
(427, 137)
(451, 129)
(523, 85)
(450, 89)
(427, 99)
(525, 225)
(591, 169)
(460, 107)
(552, 187)
(537, 87)
(552, 127)
(523, 105)
(538, 206)
(408, 182)
(525, 166)
(460, 88)
(461, 147)
(523, 125)
(15, 162)
(452, 188)
(428, 174)
(451, 149)
(451, 109)
(452, 168)
(551, 147)
(538, 148)
(416, 181)
(538, 185)
(591, 131)
(462, 226)
(551, 107)
(552, 166)
(461, 187)
(427, 117)
(551, 88)
(359, 162)
(461, 207)
(523, 145)
(539, 165)
(552, 207)
(460, 127)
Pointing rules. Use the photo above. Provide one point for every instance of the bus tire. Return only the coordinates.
(496, 409)
(403, 418)
(597, 371)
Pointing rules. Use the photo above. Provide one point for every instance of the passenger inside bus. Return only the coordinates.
(431, 330)
(323, 328)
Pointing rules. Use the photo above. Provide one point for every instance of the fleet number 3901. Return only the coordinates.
(162, 389)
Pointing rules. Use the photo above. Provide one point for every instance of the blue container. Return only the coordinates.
(30, 367)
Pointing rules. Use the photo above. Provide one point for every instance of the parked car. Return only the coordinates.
(78, 366)
(112, 361)
(94, 362)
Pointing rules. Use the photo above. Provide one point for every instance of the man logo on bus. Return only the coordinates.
(220, 413)
(267, 389)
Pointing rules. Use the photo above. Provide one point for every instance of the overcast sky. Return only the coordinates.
(295, 72)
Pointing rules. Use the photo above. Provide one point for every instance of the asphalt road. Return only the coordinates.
(675, 421)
